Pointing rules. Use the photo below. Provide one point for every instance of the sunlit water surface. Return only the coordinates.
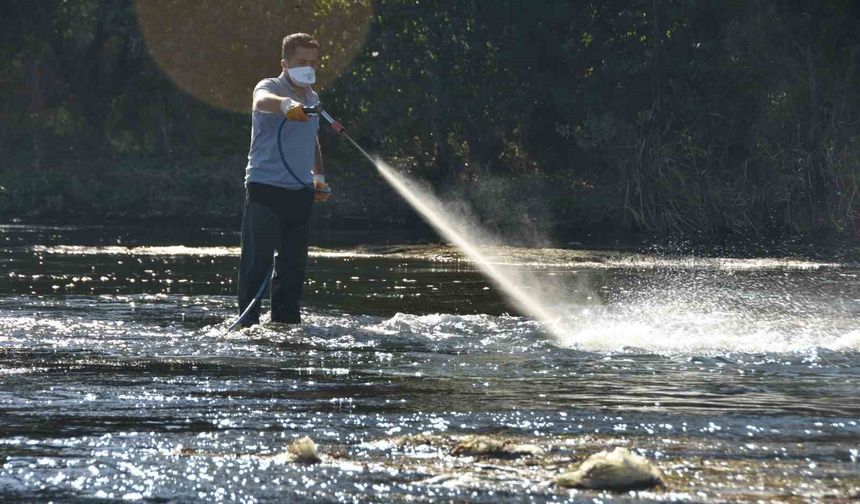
(740, 378)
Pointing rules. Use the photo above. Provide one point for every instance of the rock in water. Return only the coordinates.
(615, 470)
(486, 446)
(304, 450)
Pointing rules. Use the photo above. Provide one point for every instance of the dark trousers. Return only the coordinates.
(275, 219)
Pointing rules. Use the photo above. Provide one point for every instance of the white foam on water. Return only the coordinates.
(683, 319)
(850, 341)
(675, 328)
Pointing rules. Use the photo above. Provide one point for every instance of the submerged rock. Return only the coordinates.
(303, 450)
(615, 470)
(487, 446)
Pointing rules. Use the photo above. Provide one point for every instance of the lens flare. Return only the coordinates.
(218, 51)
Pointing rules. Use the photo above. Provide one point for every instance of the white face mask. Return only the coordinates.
(303, 76)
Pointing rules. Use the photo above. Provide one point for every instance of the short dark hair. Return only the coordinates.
(296, 40)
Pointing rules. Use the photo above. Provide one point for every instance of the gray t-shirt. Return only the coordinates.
(299, 141)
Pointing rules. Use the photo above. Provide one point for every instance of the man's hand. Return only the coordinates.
(321, 190)
(293, 110)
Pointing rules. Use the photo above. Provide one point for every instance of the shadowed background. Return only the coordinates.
(552, 119)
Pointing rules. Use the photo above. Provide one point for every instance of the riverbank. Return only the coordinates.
(206, 194)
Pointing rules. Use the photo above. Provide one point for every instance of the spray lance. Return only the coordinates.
(340, 130)
(318, 110)
(337, 127)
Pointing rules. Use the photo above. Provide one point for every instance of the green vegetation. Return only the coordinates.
(646, 116)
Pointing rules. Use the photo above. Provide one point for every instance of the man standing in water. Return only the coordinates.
(277, 204)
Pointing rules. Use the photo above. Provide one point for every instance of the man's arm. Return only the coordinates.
(322, 190)
(265, 101)
(319, 169)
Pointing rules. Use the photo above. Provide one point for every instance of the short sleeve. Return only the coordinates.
(270, 85)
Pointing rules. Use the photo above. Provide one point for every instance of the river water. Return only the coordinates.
(738, 377)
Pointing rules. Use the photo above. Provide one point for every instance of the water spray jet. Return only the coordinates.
(455, 231)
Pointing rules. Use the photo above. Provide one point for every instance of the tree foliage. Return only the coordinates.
(691, 116)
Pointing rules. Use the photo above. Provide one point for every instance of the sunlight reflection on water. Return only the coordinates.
(739, 377)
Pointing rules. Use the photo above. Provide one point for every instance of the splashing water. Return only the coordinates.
(694, 315)
(519, 287)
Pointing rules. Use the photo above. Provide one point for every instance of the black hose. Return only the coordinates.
(284, 159)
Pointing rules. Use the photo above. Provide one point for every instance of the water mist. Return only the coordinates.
(521, 288)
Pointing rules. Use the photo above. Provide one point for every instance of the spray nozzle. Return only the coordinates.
(336, 126)
(315, 110)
